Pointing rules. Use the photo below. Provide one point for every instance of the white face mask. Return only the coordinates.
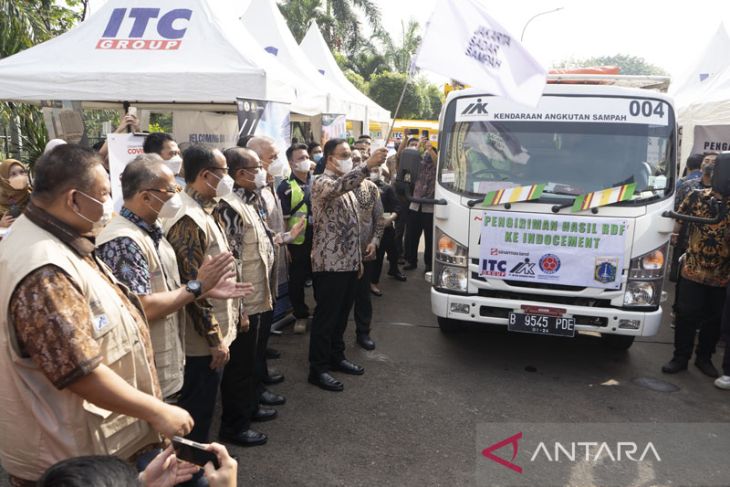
(106, 215)
(170, 207)
(224, 186)
(345, 165)
(175, 164)
(276, 168)
(18, 182)
(303, 166)
(260, 178)
(375, 176)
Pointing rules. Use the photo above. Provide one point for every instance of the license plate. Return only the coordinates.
(541, 324)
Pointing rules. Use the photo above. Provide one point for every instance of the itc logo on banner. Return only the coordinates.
(170, 26)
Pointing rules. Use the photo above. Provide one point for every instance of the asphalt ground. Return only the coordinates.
(413, 418)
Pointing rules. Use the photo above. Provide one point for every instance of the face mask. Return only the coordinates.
(224, 187)
(19, 182)
(317, 157)
(175, 164)
(276, 168)
(375, 176)
(260, 178)
(106, 215)
(170, 207)
(303, 166)
(345, 165)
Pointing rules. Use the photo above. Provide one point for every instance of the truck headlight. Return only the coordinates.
(452, 278)
(650, 265)
(641, 293)
(449, 251)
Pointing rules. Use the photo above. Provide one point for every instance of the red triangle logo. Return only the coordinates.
(512, 440)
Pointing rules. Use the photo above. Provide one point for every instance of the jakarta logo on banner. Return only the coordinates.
(569, 250)
(149, 29)
(122, 149)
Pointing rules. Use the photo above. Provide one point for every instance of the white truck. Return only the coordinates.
(549, 220)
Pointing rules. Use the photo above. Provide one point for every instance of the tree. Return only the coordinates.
(630, 65)
(435, 97)
(385, 90)
(399, 56)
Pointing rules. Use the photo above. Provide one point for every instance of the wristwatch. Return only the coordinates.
(194, 287)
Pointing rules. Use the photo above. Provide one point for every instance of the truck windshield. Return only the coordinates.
(570, 158)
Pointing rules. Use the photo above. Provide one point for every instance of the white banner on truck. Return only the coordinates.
(555, 249)
(645, 111)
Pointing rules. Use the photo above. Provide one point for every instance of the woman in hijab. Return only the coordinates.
(14, 191)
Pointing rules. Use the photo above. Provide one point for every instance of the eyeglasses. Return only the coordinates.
(225, 168)
(253, 168)
(173, 190)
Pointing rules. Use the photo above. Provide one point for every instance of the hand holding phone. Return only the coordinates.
(194, 452)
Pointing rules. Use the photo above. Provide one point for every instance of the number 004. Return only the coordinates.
(646, 108)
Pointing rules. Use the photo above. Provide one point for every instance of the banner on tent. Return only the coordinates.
(122, 149)
(334, 126)
(211, 129)
(275, 122)
(711, 138)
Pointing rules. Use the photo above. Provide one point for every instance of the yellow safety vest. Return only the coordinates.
(297, 200)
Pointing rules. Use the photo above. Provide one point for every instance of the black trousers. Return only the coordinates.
(239, 394)
(262, 341)
(387, 244)
(400, 226)
(334, 293)
(299, 271)
(363, 310)
(198, 395)
(698, 305)
(726, 332)
(419, 223)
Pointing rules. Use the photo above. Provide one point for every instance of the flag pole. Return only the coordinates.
(400, 101)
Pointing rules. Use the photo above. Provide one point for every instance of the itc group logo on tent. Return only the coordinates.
(145, 29)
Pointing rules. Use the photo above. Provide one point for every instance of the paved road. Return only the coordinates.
(412, 419)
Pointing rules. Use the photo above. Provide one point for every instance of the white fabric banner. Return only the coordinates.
(464, 43)
(711, 138)
(555, 249)
(215, 130)
(122, 149)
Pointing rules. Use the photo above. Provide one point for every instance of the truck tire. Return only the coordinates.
(618, 342)
(447, 325)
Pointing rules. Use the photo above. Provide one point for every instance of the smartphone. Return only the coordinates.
(194, 452)
(132, 111)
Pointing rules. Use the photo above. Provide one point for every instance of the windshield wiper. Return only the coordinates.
(560, 206)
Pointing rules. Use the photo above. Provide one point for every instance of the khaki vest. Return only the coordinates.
(224, 310)
(168, 334)
(39, 424)
(256, 261)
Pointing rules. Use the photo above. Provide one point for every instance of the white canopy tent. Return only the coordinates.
(318, 53)
(189, 53)
(711, 62)
(264, 21)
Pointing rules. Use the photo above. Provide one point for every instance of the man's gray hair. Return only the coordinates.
(142, 173)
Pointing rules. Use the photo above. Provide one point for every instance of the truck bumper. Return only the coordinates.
(479, 309)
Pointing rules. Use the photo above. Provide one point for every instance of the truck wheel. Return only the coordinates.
(447, 325)
(618, 342)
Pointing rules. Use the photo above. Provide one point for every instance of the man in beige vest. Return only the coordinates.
(211, 324)
(135, 249)
(252, 244)
(78, 369)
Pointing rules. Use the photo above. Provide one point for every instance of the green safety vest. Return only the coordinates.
(299, 211)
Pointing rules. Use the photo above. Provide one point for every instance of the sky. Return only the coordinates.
(671, 35)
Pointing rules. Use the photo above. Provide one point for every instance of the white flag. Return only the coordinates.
(464, 43)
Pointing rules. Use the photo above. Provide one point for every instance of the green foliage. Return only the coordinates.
(386, 88)
(435, 98)
(630, 65)
(161, 122)
(357, 80)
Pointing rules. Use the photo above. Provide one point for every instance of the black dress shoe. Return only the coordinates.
(398, 275)
(269, 398)
(264, 414)
(675, 365)
(272, 379)
(242, 438)
(272, 354)
(348, 367)
(410, 267)
(366, 342)
(376, 292)
(707, 368)
(326, 381)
